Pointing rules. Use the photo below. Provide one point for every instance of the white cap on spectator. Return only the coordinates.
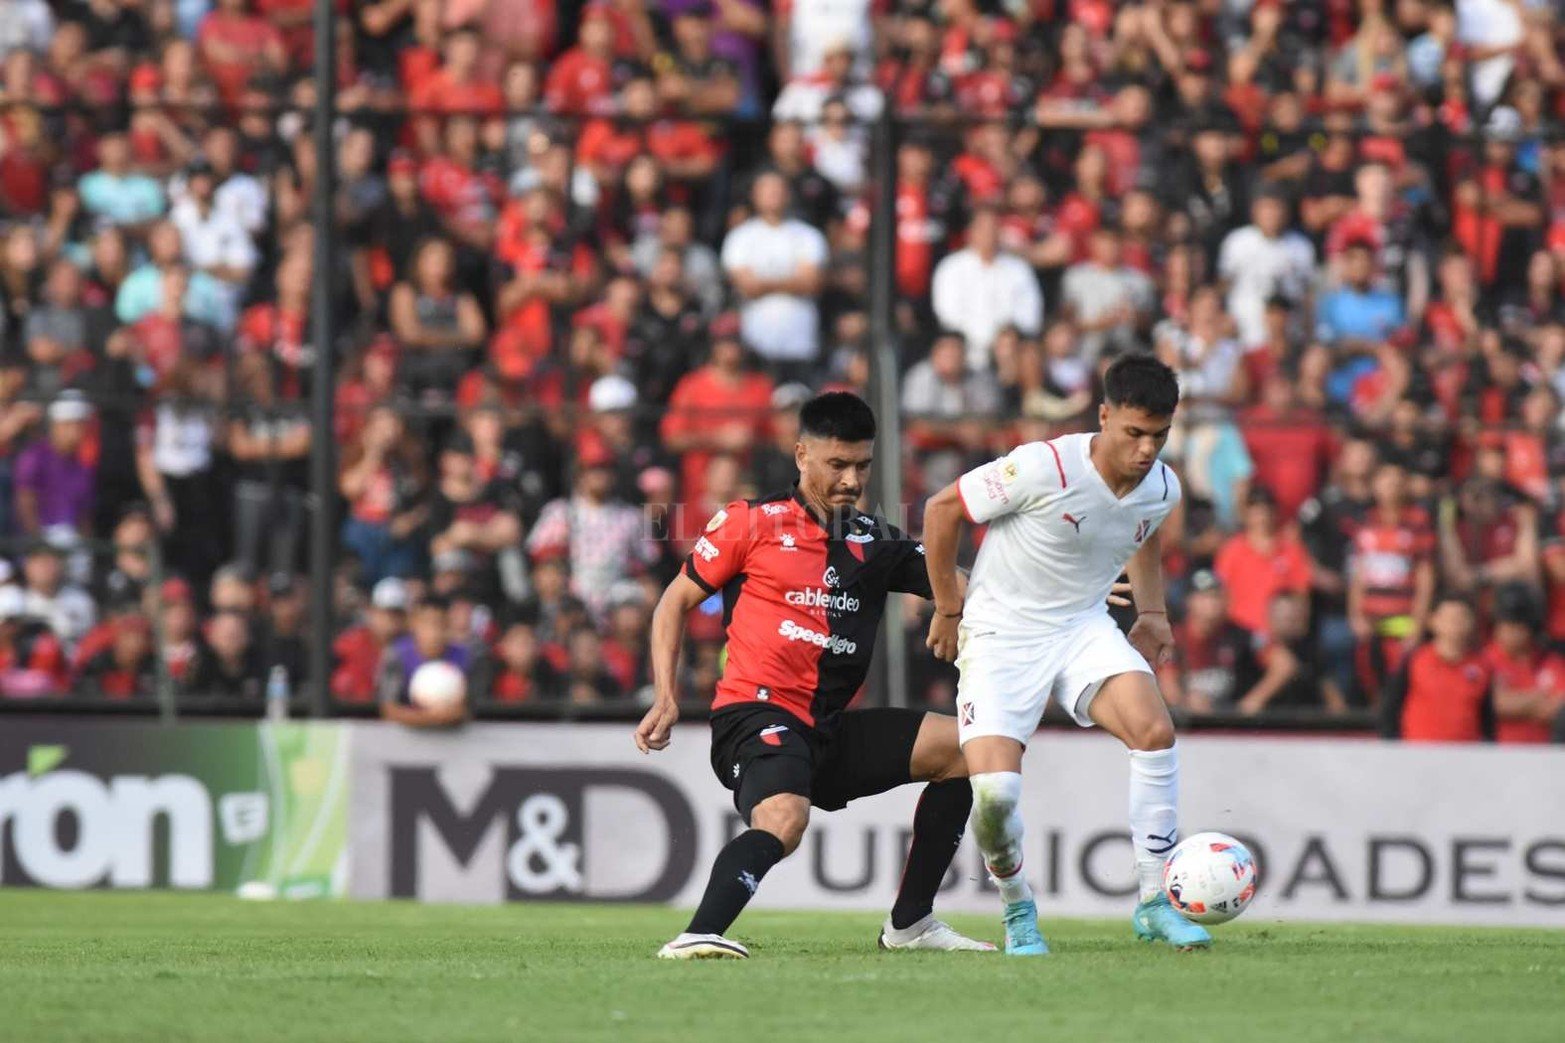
(62, 538)
(7, 570)
(390, 594)
(610, 394)
(627, 592)
(13, 602)
(70, 406)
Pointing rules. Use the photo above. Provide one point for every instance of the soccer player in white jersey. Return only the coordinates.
(1065, 518)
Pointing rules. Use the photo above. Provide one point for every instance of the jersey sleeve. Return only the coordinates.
(1012, 483)
(718, 554)
(910, 574)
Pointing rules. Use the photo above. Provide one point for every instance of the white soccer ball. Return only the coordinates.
(437, 685)
(1209, 878)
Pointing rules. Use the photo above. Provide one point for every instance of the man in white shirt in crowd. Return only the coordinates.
(980, 290)
(777, 264)
(1264, 259)
(1108, 300)
(214, 241)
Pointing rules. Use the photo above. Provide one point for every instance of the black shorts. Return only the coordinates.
(761, 751)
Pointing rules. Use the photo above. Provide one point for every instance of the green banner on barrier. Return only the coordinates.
(93, 803)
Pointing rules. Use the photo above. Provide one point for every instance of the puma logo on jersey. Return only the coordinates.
(1075, 521)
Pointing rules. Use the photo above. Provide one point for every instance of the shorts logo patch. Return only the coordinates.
(965, 713)
(763, 693)
(773, 736)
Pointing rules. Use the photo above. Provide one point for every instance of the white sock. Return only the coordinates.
(1154, 813)
(997, 829)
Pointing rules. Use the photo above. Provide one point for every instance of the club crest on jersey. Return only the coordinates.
(1074, 520)
(1143, 527)
(717, 519)
(830, 579)
(1009, 472)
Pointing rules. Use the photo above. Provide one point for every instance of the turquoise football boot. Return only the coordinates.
(1022, 937)
(1155, 920)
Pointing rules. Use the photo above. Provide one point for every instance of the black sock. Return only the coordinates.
(736, 873)
(938, 825)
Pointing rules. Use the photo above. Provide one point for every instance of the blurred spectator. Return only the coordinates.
(1292, 671)
(227, 665)
(719, 408)
(215, 243)
(1392, 577)
(383, 482)
(1108, 301)
(428, 639)
(438, 327)
(280, 636)
(33, 662)
(516, 671)
(359, 649)
(54, 476)
(776, 263)
(1260, 562)
(470, 515)
(48, 593)
(948, 407)
(980, 290)
(1214, 662)
(117, 194)
(269, 443)
(587, 679)
(1290, 445)
(1262, 261)
(126, 669)
(1529, 680)
(604, 540)
(1356, 314)
(176, 464)
(1444, 691)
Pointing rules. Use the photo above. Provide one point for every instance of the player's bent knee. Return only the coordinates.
(1154, 734)
(785, 817)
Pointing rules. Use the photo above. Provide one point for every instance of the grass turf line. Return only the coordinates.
(118, 967)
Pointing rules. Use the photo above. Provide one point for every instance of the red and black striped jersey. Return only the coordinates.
(802, 600)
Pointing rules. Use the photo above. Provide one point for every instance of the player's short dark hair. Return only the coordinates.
(1141, 382)
(837, 414)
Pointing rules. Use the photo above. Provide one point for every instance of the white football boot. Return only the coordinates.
(703, 947)
(929, 933)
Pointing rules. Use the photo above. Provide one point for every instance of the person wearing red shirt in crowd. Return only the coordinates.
(581, 81)
(1289, 664)
(1391, 582)
(358, 650)
(178, 644)
(126, 669)
(1496, 210)
(1276, 351)
(986, 166)
(32, 658)
(1289, 443)
(1529, 680)
(237, 45)
(625, 646)
(720, 408)
(1028, 228)
(1444, 691)
(1260, 562)
(517, 671)
(915, 82)
(684, 151)
(457, 87)
(537, 268)
(1214, 661)
(294, 22)
(465, 197)
(278, 329)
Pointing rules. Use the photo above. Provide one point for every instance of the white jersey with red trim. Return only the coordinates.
(1058, 537)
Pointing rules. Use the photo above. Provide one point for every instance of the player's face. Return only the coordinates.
(833, 472)
(1133, 438)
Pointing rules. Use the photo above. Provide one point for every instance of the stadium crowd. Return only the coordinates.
(595, 256)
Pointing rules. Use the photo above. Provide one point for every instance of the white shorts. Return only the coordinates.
(1008, 681)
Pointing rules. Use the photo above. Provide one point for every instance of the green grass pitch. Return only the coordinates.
(161, 967)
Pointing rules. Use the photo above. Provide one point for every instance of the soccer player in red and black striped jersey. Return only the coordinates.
(804, 578)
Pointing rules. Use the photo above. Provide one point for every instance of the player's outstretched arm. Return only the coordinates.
(943, 517)
(668, 632)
